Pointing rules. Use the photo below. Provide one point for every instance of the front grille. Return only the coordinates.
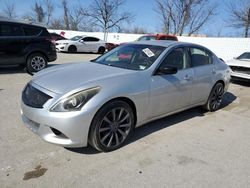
(33, 97)
(238, 69)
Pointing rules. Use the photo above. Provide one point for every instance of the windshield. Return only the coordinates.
(244, 56)
(143, 38)
(132, 56)
(76, 38)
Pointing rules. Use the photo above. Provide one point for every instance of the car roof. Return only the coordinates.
(163, 43)
(167, 43)
(22, 22)
(159, 34)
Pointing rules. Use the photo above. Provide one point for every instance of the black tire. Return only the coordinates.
(101, 50)
(35, 62)
(215, 98)
(111, 126)
(72, 49)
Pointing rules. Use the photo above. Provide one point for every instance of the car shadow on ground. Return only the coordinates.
(17, 69)
(79, 53)
(160, 124)
(12, 70)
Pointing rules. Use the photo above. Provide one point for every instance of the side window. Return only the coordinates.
(45, 33)
(200, 57)
(177, 58)
(90, 39)
(32, 31)
(10, 30)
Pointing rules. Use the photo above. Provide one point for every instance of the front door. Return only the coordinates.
(172, 92)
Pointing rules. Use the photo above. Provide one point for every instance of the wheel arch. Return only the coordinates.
(219, 81)
(101, 47)
(34, 52)
(124, 99)
(72, 45)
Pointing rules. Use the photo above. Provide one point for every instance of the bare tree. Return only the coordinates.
(165, 13)
(49, 8)
(9, 10)
(106, 14)
(39, 12)
(77, 16)
(134, 30)
(240, 15)
(179, 16)
(66, 14)
(57, 23)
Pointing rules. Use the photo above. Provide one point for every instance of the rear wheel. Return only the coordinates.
(215, 98)
(111, 126)
(101, 50)
(72, 49)
(36, 62)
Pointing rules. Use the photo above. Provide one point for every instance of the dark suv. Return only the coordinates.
(26, 45)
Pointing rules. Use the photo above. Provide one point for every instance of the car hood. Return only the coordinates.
(240, 63)
(62, 78)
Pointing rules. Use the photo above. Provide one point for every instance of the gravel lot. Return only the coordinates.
(189, 149)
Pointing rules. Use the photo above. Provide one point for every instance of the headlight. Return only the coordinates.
(76, 101)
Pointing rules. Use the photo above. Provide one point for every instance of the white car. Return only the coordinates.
(240, 66)
(81, 44)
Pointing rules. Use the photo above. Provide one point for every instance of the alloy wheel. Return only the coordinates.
(217, 96)
(115, 127)
(38, 63)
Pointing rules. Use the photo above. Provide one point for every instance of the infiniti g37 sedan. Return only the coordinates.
(102, 101)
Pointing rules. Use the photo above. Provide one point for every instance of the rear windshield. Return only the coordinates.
(144, 38)
(244, 56)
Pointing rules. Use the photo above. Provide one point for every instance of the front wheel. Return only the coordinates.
(215, 98)
(35, 62)
(111, 126)
(72, 49)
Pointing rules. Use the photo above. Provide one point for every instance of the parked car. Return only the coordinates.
(241, 66)
(55, 37)
(109, 46)
(81, 44)
(150, 37)
(25, 45)
(158, 37)
(101, 102)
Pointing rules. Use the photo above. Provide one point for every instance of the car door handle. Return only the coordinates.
(188, 78)
(213, 71)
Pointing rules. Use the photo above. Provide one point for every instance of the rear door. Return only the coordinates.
(90, 44)
(12, 42)
(204, 70)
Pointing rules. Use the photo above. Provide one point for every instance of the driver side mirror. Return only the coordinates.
(165, 69)
(82, 41)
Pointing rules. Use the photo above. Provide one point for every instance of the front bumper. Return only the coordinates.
(61, 48)
(240, 75)
(68, 129)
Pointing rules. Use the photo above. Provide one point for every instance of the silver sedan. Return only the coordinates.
(102, 101)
